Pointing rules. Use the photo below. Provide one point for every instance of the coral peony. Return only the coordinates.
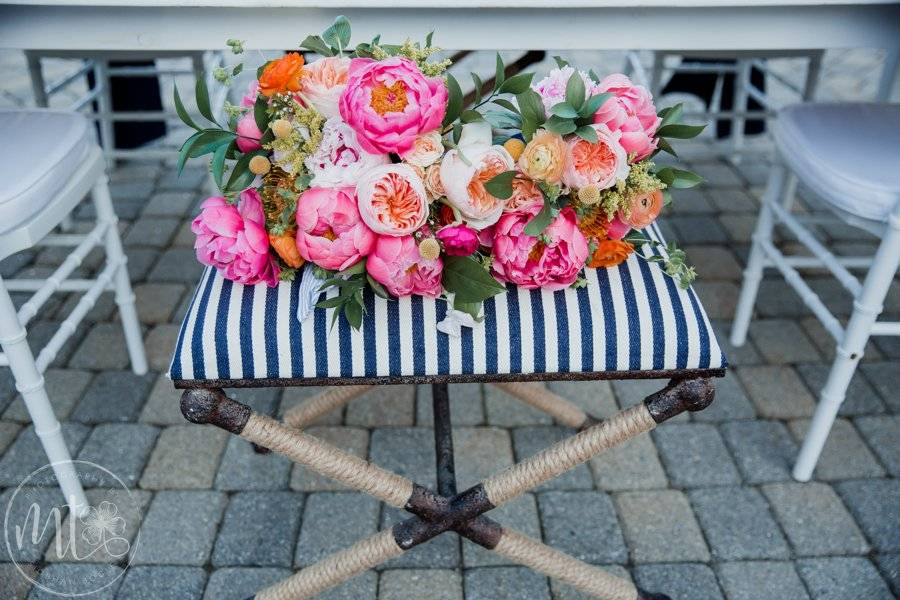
(465, 170)
(599, 164)
(610, 253)
(248, 134)
(544, 157)
(339, 160)
(390, 102)
(392, 199)
(552, 88)
(282, 75)
(233, 239)
(526, 194)
(644, 208)
(551, 262)
(330, 232)
(458, 240)
(323, 83)
(426, 150)
(630, 112)
(397, 264)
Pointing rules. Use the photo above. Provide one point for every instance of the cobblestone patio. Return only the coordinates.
(702, 509)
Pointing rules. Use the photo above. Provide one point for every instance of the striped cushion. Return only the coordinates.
(631, 318)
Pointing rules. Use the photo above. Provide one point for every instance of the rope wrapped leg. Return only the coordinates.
(592, 580)
(323, 403)
(541, 398)
(334, 569)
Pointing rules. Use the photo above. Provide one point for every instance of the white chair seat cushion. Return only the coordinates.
(849, 154)
(41, 151)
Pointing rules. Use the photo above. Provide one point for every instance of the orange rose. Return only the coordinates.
(282, 75)
(610, 253)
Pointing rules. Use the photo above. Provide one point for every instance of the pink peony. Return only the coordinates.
(631, 112)
(600, 164)
(233, 239)
(323, 82)
(248, 133)
(249, 98)
(617, 228)
(339, 160)
(396, 264)
(330, 232)
(390, 102)
(458, 240)
(552, 88)
(552, 262)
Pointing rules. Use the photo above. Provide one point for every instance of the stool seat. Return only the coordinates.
(49, 148)
(847, 153)
(630, 320)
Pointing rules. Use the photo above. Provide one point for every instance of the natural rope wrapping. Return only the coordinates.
(543, 399)
(334, 569)
(321, 404)
(587, 578)
(568, 453)
(325, 459)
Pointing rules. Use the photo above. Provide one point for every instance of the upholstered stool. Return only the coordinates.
(48, 164)
(631, 321)
(848, 155)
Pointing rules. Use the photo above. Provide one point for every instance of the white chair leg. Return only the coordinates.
(812, 75)
(866, 309)
(741, 85)
(659, 59)
(105, 110)
(124, 295)
(30, 383)
(755, 263)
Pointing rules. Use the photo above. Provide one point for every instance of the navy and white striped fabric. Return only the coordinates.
(628, 318)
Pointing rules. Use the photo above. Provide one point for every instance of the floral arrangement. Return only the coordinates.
(367, 166)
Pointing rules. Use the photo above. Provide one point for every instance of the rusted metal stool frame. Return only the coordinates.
(446, 510)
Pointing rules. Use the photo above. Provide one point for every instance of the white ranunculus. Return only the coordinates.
(339, 160)
(466, 169)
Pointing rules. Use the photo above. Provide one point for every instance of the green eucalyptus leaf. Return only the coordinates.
(560, 125)
(209, 140)
(183, 113)
(564, 110)
(500, 186)
(316, 44)
(353, 312)
(454, 101)
(594, 77)
(587, 133)
(185, 150)
(479, 85)
(338, 35)
(678, 178)
(516, 84)
(593, 104)
(467, 278)
(532, 107)
(664, 145)
(240, 175)
(377, 288)
(471, 116)
(203, 97)
(237, 70)
(499, 72)
(260, 114)
(217, 165)
(503, 119)
(680, 131)
(561, 62)
(507, 105)
(541, 221)
(575, 89)
(471, 308)
(428, 39)
(671, 114)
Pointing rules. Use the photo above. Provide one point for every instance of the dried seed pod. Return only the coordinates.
(260, 165)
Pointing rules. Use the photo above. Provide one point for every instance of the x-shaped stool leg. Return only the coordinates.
(437, 513)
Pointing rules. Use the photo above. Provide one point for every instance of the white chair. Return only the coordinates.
(847, 154)
(48, 164)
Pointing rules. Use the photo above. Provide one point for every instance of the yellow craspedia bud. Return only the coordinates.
(514, 146)
(260, 165)
(281, 128)
(589, 195)
(429, 249)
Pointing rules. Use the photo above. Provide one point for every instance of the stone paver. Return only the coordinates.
(875, 503)
(520, 514)
(434, 584)
(885, 378)
(889, 564)
(660, 527)
(19, 506)
(584, 525)
(383, 406)
(185, 457)
(505, 583)
(505, 411)
(15, 583)
(882, 433)
(293, 396)
(761, 580)
(157, 301)
(679, 581)
(480, 453)
(861, 398)
(763, 450)
(180, 528)
(737, 524)
(64, 388)
(121, 448)
(259, 529)
(102, 349)
(777, 392)
(845, 455)
(814, 519)
(843, 578)
(239, 583)
(100, 581)
(731, 402)
(633, 465)
(243, 468)
(26, 455)
(407, 451)
(466, 405)
(163, 583)
(8, 432)
(163, 404)
(333, 521)
(113, 397)
(782, 341)
(695, 455)
(594, 397)
(159, 344)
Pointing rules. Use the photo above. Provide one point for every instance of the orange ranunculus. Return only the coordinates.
(644, 208)
(282, 75)
(610, 253)
(285, 246)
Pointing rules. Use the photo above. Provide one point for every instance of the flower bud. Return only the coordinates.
(514, 146)
(260, 165)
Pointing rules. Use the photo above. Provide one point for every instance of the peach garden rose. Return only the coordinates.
(426, 150)
(392, 199)
(599, 163)
(323, 83)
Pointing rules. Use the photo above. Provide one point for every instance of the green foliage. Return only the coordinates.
(454, 100)
(338, 35)
(673, 261)
(678, 178)
(500, 186)
(468, 280)
(350, 284)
